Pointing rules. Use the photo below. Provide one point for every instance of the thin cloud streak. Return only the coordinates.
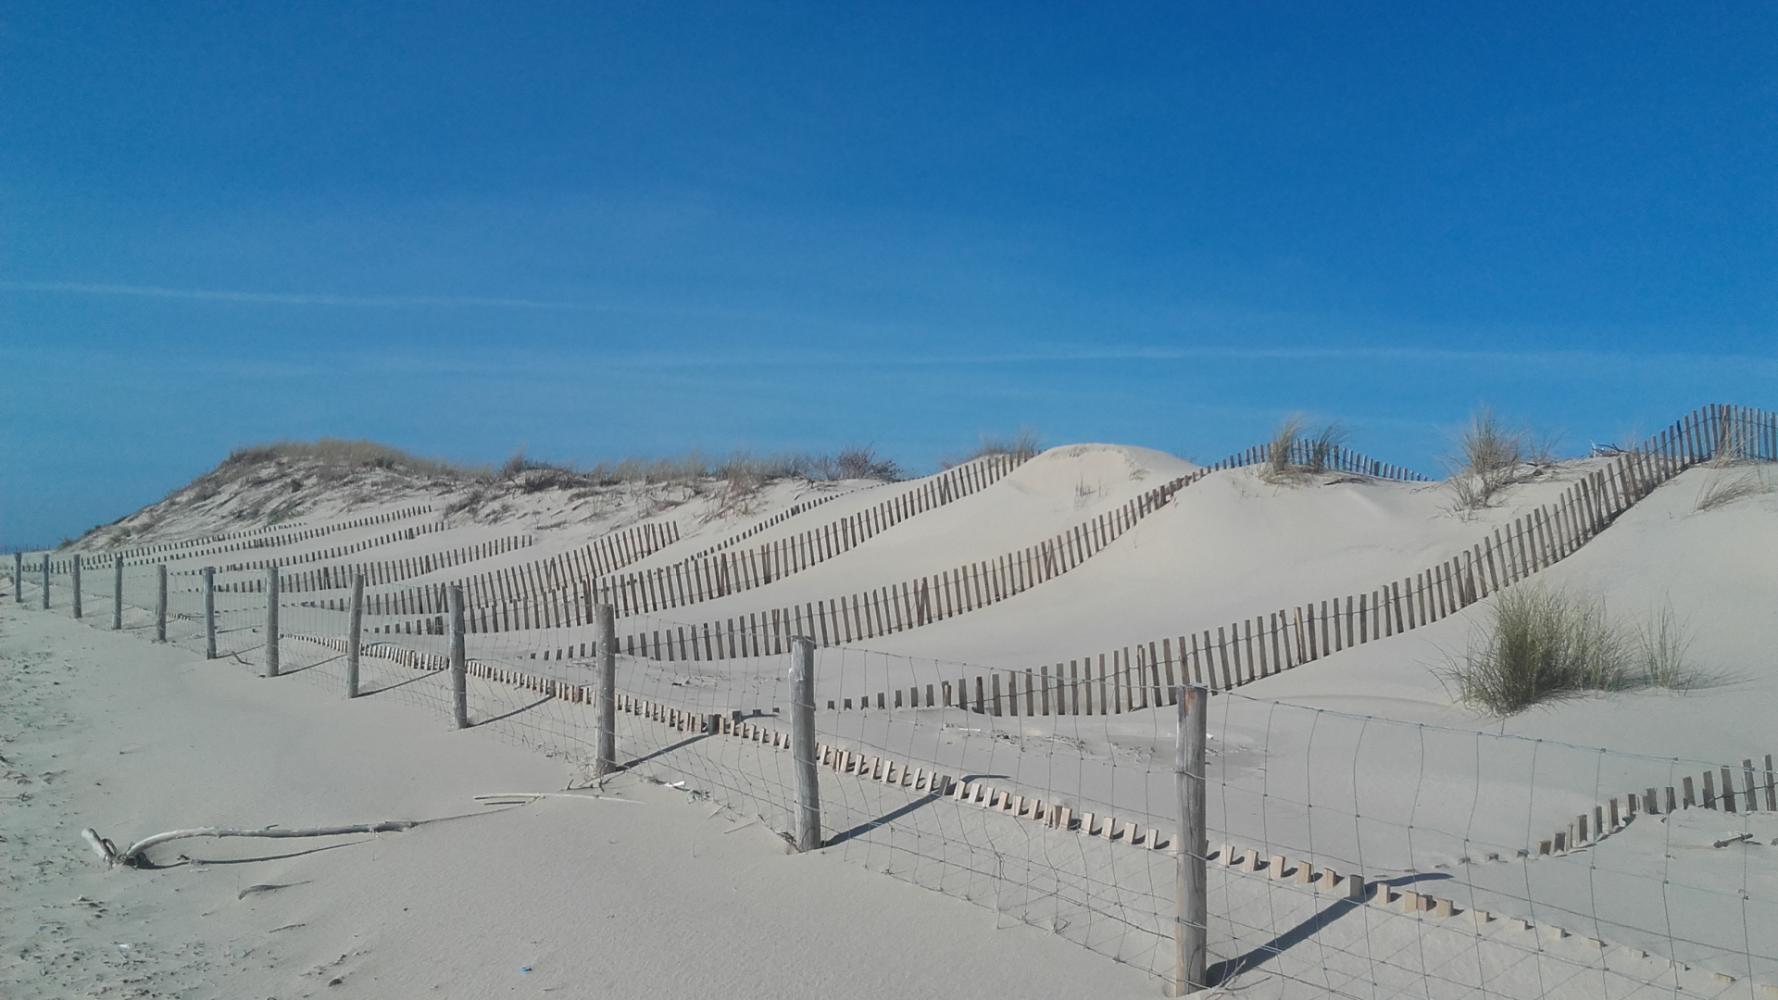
(1559, 361)
(295, 298)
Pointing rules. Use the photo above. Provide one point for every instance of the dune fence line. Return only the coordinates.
(1330, 870)
(270, 536)
(905, 605)
(767, 523)
(1143, 675)
(561, 600)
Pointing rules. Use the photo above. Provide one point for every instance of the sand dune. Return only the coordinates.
(1355, 759)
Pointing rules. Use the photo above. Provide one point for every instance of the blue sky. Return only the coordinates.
(598, 230)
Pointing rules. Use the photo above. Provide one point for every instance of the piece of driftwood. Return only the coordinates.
(132, 855)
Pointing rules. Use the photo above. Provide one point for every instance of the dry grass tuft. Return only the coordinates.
(1722, 488)
(350, 454)
(1021, 444)
(1295, 452)
(1491, 458)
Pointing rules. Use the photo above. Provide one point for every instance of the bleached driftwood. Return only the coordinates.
(132, 855)
(511, 797)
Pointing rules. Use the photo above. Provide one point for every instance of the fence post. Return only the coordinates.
(209, 612)
(271, 621)
(74, 569)
(116, 593)
(802, 741)
(459, 664)
(355, 636)
(1191, 905)
(160, 603)
(18, 577)
(606, 760)
(46, 581)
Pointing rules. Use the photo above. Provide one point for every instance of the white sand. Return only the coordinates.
(666, 898)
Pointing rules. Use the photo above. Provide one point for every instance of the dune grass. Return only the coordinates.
(533, 475)
(1490, 457)
(348, 453)
(1723, 488)
(1021, 444)
(1544, 643)
(1297, 451)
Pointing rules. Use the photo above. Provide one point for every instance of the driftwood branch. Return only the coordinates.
(132, 855)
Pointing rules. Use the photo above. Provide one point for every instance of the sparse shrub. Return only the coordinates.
(338, 451)
(1490, 458)
(1022, 444)
(865, 463)
(514, 465)
(469, 501)
(1544, 643)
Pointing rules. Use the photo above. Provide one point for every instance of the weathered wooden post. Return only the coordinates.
(606, 758)
(1192, 911)
(74, 571)
(117, 592)
(209, 612)
(355, 637)
(802, 742)
(46, 581)
(18, 577)
(459, 664)
(271, 621)
(160, 603)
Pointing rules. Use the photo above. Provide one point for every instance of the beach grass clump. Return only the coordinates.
(1723, 488)
(1663, 652)
(1297, 450)
(1491, 457)
(1021, 444)
(1545, 643)
(348, 453)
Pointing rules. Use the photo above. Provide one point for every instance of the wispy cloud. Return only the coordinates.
(296, 298)
(1566, 363)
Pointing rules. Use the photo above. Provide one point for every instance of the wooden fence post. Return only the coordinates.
(117, 592)
(74, 570)
(46, 581)
(18, 577)
(160, 602)
(606, 757)
(271, 621)
(1191, 913)
(459, 663)
(209, 612)
(355, 635)
(808, 782)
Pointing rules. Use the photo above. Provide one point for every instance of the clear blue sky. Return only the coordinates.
(603, 229)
